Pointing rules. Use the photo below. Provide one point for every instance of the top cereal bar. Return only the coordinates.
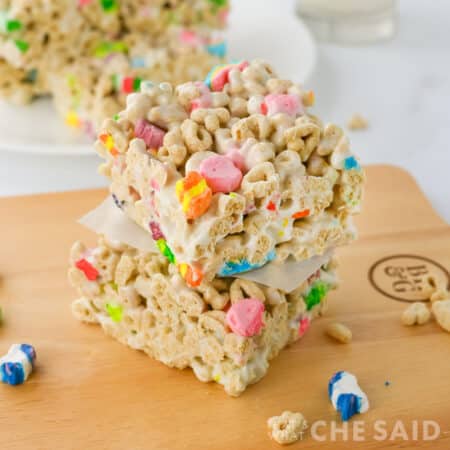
(230, 173)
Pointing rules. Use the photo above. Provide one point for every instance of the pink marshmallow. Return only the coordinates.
(303, 326)
(238, 160)
(205, 100)
(191, 38)
(282, 103)
(152, 135)
(221, 78)
(220, 173)
(245, 317)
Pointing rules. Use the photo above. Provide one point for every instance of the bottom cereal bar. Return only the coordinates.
(226, 330)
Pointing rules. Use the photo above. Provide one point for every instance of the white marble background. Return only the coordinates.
(402, 87)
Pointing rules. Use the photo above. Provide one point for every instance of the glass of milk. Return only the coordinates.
(349, 21)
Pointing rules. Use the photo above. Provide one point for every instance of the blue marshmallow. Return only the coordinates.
(243, 265)
(17, 364)
(346, 395)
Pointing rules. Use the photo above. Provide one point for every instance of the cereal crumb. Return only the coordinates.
(357, 122)
(439, 295)
(436, 289)
(441, 311)
(339, 332)
(287, 428)
(416, 313)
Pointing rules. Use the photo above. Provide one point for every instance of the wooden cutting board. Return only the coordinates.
(90, 392)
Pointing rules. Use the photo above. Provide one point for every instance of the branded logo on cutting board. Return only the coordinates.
(407, 277)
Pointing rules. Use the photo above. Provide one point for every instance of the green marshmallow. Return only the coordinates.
(316, 294)
(114, 311)
(22, 45)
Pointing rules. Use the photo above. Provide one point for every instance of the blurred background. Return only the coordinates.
(380, 66)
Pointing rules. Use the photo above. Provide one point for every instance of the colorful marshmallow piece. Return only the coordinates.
(230, 268)
(221, 174)
(9, 25)
(156, 231)
(73, 120)
(22, 46)
(219, 3)
(115, 311)
(191, 274)
(351, 163)
(217, 78)
(194, 194)
(108, 142)
(17, 365)
(90, 272)
(165, 250)
(346, 395)
(303, 325)
(316, 294)
(205, 99)
(152, 135)
(109, 5)
(218, 49)
(238, 159)
(271, 206)
(289, 104)
(108, 47)
(301, 214)
(127, 85)
(245, 317)
(191, 38)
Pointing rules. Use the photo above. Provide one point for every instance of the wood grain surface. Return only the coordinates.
(90, 392)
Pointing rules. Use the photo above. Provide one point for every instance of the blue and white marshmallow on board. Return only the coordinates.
(17, 365)
(346, 395)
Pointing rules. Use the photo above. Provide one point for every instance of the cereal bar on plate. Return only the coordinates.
(92, 89)
(56, 44)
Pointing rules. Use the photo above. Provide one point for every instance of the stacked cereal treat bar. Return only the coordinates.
(226, 330)
(88, 54)
(222, 177)
(231, 173)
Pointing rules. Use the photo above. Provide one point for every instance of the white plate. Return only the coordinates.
(270, 29)
(257, 29)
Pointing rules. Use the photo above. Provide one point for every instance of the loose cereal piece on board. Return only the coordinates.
(357, 122)
(416, 314)
(339, 332)
(287, 428)
(441, 311)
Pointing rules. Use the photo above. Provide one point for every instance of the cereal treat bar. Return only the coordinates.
(64, 48)
(92, 89)
(157, 15)
(226, 330)
(18, 86)
(231, 173)
(42, 35)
